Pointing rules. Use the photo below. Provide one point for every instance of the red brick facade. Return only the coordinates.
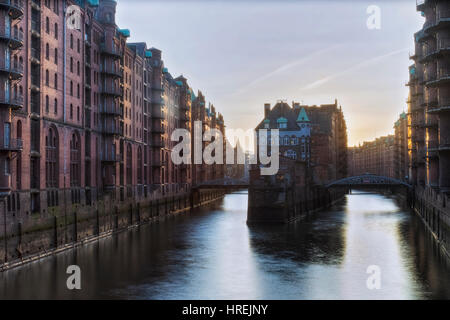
(89, 114)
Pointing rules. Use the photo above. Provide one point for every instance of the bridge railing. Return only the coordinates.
(369, 180)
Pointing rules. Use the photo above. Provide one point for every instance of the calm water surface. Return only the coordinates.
(212, 254)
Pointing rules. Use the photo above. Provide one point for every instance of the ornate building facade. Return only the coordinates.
(316, 135)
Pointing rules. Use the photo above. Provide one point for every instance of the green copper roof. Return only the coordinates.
(148, 54)
(125, 32)
(179, 83)
(165, 70)
(93, 3)
(266, 121)
(302, 116)
(403, 115)
(281, 120)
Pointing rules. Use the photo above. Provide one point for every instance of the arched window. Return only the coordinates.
(56, 55)
(47, 51)
(75, 158)
(139, 166)
(129, 165)
(51, 158)
(47, 25)
(71, 41)
(291, 154)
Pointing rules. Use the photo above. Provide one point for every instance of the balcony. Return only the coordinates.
(442, 21)
(444, 44)
(36, 28)
(113, 52)
(13, 145)
(444, 144)
(15, 102)
(35, 56)
(441, 107)
(13, 71)
(116, 92)
(443, 16)
(112, 131)
(15, 7)
(111, 110)
(443, 77)
(111, 71)
(13, 38)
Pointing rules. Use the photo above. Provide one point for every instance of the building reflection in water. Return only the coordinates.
(212, 254)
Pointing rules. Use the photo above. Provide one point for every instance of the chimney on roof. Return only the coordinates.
(266, 110)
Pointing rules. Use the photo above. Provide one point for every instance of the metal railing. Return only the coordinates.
(13, 3)
(112, 91)
(444, 44)
(111, 70)
(36, 53)
(12, 67)
(111, 109)
(14, 100)
(36, 26)
(16, 35)
(441, 15)
(11, 144)
(111, 51)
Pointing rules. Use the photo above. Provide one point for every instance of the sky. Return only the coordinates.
(242, 54)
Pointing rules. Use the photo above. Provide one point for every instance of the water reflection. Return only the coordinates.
(212, 254)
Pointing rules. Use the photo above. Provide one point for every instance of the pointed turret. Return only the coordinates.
(302, 116)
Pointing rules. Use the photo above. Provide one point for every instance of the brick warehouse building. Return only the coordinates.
(430, 98)
(316, 135)
(86, 114)
(374, 157)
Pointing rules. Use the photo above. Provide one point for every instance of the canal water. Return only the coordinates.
(212, 254)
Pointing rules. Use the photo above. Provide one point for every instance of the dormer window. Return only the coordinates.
(282, 123)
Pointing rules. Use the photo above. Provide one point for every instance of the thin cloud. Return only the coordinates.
(360, 65)
(284, 68)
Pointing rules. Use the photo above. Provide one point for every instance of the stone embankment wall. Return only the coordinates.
(434, 209)
(77, 225)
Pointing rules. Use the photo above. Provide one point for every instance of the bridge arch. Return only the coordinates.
(368, 180)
